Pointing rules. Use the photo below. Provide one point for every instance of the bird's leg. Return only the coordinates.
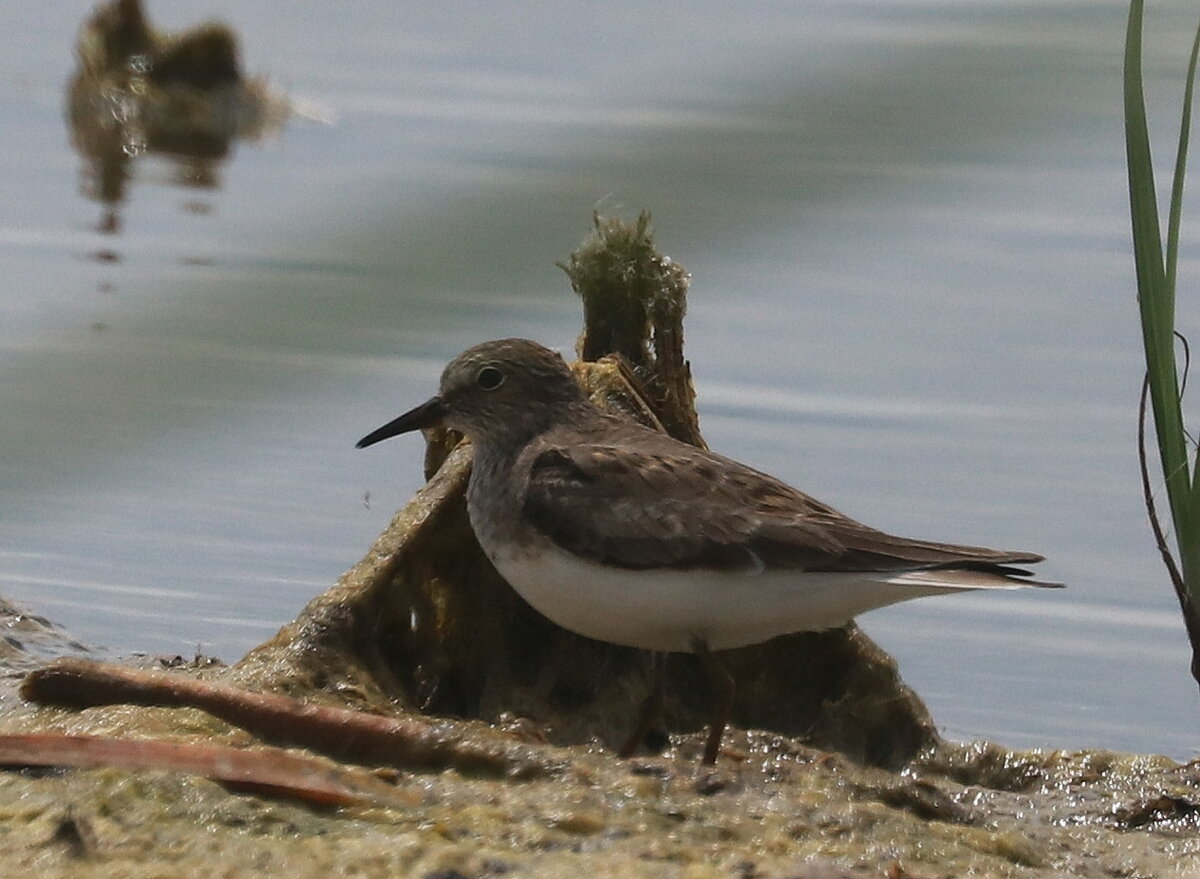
(652, 706)
(723, 689)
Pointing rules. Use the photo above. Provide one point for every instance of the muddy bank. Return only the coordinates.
(771, 808)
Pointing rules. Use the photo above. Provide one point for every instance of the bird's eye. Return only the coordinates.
(489, 378)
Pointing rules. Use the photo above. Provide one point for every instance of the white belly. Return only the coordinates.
(669, 610)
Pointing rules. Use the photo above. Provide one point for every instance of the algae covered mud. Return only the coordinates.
(774, 807)
(780, 810)
(503, 765)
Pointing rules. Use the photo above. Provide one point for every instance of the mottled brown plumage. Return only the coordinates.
(635, 498)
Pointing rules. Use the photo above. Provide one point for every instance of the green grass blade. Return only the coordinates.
(1189, 544)
(1185, 132)
(1156, 297)
(1189, 540)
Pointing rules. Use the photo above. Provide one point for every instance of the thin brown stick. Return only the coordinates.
(261, 769)
(1191, 621)
(353, 736)
(1160, 537)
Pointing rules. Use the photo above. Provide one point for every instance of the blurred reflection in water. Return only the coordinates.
(183, 96)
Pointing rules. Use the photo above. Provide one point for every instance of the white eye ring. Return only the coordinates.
(489, 378)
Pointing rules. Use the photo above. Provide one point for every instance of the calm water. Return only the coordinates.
(912, 297)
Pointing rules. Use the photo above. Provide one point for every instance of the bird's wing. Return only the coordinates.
(642, 509)
(641, 503)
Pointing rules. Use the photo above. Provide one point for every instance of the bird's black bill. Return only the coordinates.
(428, 414)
